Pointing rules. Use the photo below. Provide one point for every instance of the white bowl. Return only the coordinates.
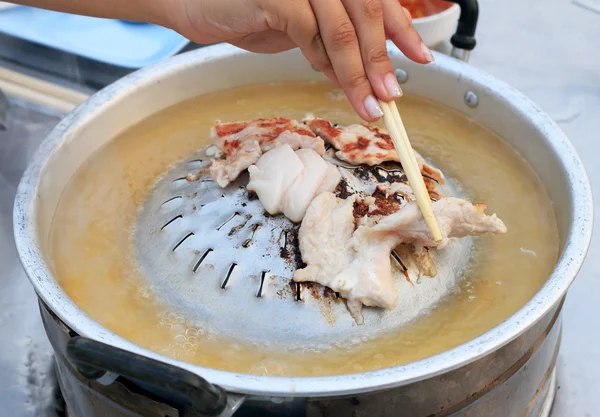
(438, 27)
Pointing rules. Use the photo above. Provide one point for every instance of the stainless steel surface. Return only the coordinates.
(116, 108)
(514, 381)
(462, 54)
(547, 49)
(546, 407)
(215, 256)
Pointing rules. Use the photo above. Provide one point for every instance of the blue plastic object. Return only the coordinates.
(114, 42)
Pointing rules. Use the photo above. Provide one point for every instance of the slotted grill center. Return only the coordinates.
(217, 257)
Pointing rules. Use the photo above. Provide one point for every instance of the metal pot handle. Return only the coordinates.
(463, 41)
(94, 360)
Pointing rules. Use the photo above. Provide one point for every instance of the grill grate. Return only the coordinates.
(217, 257)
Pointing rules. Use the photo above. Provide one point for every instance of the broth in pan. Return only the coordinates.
(94, 259)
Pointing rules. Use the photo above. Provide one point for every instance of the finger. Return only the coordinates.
(407, 14)
(300, 23)
(341, 43)
(367, 17)
(399, 29)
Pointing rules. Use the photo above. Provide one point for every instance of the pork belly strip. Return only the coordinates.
(361, 144)
(243, 143)
(287, 181)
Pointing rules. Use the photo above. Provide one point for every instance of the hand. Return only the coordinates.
(345, 39)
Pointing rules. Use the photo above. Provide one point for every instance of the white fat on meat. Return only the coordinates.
(317, 176)
(356, 263)
(331, 181)
(360, 144)
(243, 143)
(273, 174)
(286, 181)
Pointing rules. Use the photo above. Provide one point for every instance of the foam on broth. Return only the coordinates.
(93, 256)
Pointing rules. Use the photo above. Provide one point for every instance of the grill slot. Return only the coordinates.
(172, 203)
(202, 258)
(186, 237)
(195, 164)
(171, 221)
(228, 220)
(399, 261)
(248, 241)
(229, 272)
(179, 183)
(263, 275)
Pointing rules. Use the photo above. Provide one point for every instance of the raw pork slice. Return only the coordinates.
(287, 181)
(242, 143)
(299, 195)
(356, 263)
(273, 174)
(370, 145)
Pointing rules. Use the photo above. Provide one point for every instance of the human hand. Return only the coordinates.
(345, 39)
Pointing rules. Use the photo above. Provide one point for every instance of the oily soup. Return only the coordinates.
(94, 261)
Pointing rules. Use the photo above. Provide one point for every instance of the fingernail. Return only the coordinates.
(373, 107)
(391, 85)
(426, 53)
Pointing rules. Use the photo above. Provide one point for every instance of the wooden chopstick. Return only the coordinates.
(395, 127)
